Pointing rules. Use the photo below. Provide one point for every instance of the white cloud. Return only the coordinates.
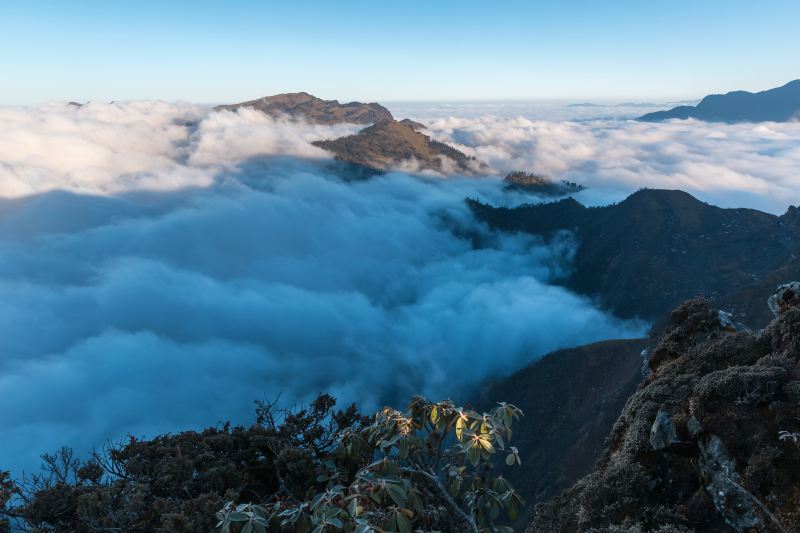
(152, 313)
(111, 148)
(200, 260)
(732, 165)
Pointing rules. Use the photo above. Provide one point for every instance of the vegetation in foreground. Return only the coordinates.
(310, 469)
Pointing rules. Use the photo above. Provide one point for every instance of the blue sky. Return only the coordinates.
(219, 51)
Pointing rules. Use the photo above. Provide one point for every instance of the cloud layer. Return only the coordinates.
(196, 263)
(162, 266)
(731, 165)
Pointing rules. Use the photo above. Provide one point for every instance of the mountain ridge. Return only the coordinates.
(314, 110)
(779, 104)
(643, 256)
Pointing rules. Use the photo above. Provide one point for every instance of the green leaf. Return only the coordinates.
(238, 516)
(402, 449)
(397, 494)
(403, 523)
(352, 508)
(474, 455)
(510, 459)
(460, 425)
(487, 445)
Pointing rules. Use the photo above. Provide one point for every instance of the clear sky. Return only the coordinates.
(224, 51)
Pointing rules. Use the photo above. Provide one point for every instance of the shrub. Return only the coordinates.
(428, 467)
(311, 468)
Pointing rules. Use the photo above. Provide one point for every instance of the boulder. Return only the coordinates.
(663, 434)
(785, 297)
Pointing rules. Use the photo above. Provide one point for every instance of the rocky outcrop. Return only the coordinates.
(309, 108)
(786, 296)
(698, 447)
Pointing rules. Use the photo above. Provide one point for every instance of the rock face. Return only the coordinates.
(727, 395)
(390, 144)
(652, 251)
(539, 184)
(780, 105)
(303, 106)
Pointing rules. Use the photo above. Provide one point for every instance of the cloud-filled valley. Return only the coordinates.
(161, 266)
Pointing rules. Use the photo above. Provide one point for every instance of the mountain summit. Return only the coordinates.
(781, 104)
(303, 106)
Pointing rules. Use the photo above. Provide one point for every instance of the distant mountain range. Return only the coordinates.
(303, 106)
(647, 254)
(622, 104)
(778, 105)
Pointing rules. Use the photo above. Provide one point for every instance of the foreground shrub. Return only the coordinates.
(307, 469)
(428, 468)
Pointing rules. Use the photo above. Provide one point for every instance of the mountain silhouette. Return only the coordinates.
(774, 105)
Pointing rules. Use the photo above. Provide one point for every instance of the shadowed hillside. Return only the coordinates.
(657, 248)
(571, 399)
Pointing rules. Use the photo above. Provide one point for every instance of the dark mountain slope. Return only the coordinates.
(571, 399)
(303, 106)
(780, 105)
(698, 447)
(390, 144)
(657, 248)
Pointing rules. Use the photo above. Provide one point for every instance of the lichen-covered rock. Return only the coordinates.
(723, 484)
(663, 433)
(785, 297)
(727, 395)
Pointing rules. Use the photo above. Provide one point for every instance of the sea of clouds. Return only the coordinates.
(729, 165)
(162, 266)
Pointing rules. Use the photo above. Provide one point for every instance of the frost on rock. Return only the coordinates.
(784, 297)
